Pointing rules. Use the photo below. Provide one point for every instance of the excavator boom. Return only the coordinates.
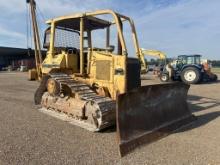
(154, 53)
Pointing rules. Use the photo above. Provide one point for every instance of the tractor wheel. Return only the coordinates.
(164, 77)
(190, 75)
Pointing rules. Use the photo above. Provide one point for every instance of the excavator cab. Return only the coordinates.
(97, 87)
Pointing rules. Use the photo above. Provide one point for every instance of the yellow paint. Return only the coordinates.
(114, 80)
(154, 53)
(60, 61)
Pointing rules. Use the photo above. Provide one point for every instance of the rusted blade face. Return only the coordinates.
(150, 112)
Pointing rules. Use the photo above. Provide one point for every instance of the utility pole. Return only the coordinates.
(37, 44)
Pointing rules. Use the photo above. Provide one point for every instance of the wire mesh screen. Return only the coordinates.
(66, 38)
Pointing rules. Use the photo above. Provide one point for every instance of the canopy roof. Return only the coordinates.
(90, 23)
(191, 55)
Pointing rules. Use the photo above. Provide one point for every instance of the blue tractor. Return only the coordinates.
(187, 68)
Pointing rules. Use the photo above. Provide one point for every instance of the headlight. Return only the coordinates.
(119, 71)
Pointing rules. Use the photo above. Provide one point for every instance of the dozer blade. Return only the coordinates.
(149, 113)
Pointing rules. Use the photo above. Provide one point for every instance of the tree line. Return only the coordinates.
(215, 63)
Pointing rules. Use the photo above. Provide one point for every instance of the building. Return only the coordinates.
(15, 57)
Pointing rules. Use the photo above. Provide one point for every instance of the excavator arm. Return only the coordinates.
(154, 53)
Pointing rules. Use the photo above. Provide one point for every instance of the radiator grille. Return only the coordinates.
(103, 70)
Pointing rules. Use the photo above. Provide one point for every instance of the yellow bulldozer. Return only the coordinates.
(97, 87)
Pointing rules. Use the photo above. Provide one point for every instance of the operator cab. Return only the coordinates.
(67, 33)
(189, 59)
(73, 37)
(67, 37)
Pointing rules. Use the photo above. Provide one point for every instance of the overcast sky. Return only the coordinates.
(173, 26)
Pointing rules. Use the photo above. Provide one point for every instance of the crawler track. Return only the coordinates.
(82, 104)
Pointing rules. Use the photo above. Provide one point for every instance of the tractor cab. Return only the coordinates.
(186, 60)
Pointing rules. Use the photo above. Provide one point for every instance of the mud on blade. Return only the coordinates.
(150, 112)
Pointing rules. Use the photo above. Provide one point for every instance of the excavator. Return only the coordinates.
(97, 87)
(154, 53)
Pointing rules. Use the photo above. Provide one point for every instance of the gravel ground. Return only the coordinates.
(30, 137)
